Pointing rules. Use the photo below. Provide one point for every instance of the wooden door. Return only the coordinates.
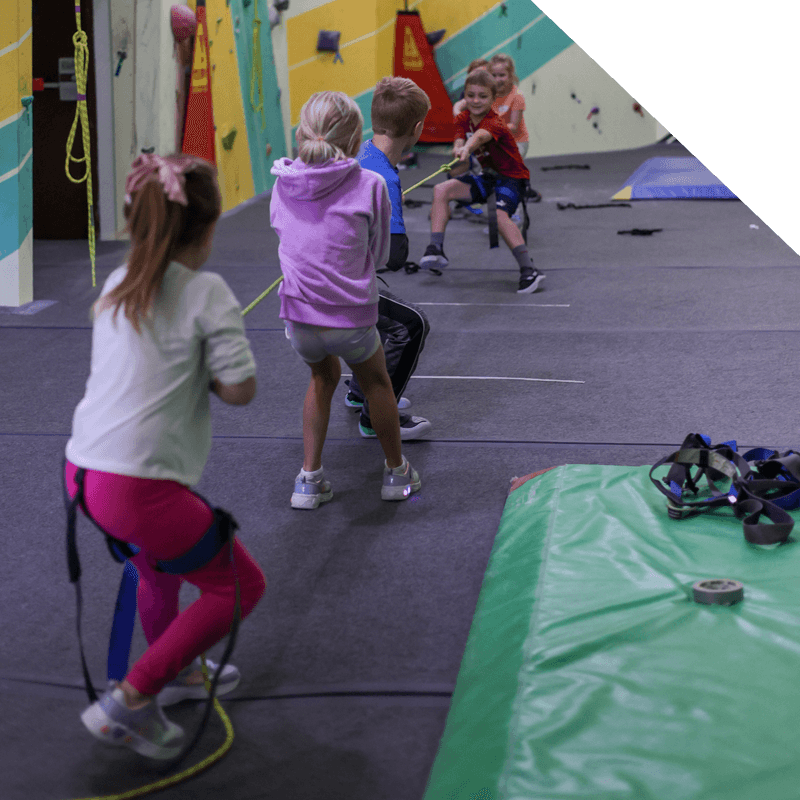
(59, 206)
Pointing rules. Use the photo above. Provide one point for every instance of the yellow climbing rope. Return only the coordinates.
(256, 73)
(441, 169)
(261, 296)
(81, 42)
(187, 773)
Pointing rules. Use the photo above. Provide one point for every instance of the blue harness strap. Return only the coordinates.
(119, 643)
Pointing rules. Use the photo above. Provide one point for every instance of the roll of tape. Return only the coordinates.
(718, 591)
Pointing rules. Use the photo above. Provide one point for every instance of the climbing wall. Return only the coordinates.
(16, 198)
(259, 89)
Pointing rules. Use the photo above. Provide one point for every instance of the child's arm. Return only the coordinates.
(513, 122)
(398, 252)
(475, 142)
(237, 394)
(459, 107)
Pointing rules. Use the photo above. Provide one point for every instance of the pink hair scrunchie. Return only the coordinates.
(169, 171)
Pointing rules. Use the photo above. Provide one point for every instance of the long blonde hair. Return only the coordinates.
(330, 128)
(160, 227)
(506, 61)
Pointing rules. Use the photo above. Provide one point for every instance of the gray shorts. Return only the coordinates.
(312, 342)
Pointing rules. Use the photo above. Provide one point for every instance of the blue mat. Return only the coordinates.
(673, 178)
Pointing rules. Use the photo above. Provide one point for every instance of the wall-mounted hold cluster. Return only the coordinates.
(328, 42)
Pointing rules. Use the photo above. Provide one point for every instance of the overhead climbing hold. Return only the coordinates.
(638, 109)
(328, 42)
(595, 110)
(227, 140)
(184, 24)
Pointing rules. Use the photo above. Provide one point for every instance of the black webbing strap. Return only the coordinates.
(74, 567)
(758, 489)
(526, 220)
(491, 211)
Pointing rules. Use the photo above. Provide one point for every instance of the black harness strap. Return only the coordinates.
(74, 567)
(759, 488)
(491, 211)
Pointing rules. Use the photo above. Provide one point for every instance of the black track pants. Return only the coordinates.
(403, 328)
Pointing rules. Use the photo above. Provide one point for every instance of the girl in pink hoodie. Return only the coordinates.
(333, 222)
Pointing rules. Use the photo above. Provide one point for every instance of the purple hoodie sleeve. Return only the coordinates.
(380, 231)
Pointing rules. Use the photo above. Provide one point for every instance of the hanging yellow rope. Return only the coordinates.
(81, 42)
(256, 72)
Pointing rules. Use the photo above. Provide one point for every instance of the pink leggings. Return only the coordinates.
(166, 519)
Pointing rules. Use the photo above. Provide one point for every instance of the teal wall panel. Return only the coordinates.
(267, 128)
(539, 41)
(16, 191)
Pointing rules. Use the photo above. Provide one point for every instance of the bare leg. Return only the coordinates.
(133, 697)
(325, 376)
(511, 234)
(377, 387)
(443, 193)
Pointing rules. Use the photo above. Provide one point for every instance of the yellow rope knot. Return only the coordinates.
(81, 42)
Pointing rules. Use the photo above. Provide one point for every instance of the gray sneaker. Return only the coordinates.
(399, 483)
(146, 730)
(308, 493)
(180, 689)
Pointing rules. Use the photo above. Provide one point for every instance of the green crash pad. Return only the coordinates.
(590, 672)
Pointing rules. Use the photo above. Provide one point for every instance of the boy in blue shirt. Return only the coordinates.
(399, 108)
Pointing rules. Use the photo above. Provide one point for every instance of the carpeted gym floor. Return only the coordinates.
(349, 661)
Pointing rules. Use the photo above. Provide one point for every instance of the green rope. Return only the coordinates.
(261, 296)
(80, 40)
(438, 172)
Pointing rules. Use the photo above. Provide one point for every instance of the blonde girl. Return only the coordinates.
(509, 103)
(333, 221)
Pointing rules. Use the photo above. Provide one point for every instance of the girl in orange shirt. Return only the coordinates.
(509, 103)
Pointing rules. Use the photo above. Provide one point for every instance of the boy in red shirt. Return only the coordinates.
(481, 131)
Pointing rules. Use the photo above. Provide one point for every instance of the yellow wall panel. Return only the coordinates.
(15, 69)
(353, 18)
(236, 178)
(452, 16)
(356, 75)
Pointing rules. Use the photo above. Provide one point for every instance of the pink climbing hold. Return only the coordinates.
(184, 22)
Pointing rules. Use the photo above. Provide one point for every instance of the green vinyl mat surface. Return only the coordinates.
(590, 672)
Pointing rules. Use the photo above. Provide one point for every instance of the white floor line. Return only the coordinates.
(481, 378)
(504, 305)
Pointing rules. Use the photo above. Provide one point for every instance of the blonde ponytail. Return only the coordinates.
(330, 128)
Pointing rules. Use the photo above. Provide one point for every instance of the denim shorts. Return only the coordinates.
(312, 342)
(509, 190)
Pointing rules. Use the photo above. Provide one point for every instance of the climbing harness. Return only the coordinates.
(221, 533)
(80, 40)
(758, 484)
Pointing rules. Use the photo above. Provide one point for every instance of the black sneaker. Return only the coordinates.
(530, 282)
(410, 427)
(351, 399)
(434, 258)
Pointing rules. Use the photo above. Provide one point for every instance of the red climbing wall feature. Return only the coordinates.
(413, 58)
